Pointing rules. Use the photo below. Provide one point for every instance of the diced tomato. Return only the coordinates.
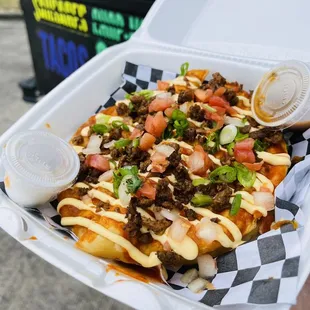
(255, 166)
(146, 141)
(246, 144)
(159, 162)
(162, 85)
(148, 189)
(216, 101)
(168, 112)
(219, 119)
(199, 161)
(220, 111)
(160, 104)
(203, 95)
(244, 156)
(135, 134)
(98, 162)
(155, 125)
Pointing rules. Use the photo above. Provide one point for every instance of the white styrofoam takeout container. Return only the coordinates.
(241, 39)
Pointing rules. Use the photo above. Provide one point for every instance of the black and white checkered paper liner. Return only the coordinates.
(263, 271)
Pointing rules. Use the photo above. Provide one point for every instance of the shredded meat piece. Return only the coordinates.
(158, 227)
(217, 81)
(163, 192)
(81, 191)
(144, 165)
(181, 173)
(196, 113)
(88, 174)
(215, 220)
(134, 221)
(174, 159)
(140, 119)
(236, 186)
(275, 138)
(78, 140)
(211, 189)
(141, 105)
(189, 135)
(231, 97)
(252, 121)
(245, 129)
(141, 202)
(145, 238)
(170, 258)
(171, 89)
(201, 139)
(185, 96)
(122, 109)
(129, 156)
(102, 205)
(184, 191)
(271, 135)
(172, 205)
(115, 133)
(221, 199)
(191, 214)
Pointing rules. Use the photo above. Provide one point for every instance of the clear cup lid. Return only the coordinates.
(282, 97)
(41, 158)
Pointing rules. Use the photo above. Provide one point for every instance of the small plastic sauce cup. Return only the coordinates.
(38, 165)
(282, 98)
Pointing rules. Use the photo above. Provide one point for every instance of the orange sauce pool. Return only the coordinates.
(33, 238)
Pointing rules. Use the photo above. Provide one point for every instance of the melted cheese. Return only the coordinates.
(245, 101)
(243, 112)
(191, 80)
(233, 229)
(215, 160)
(265, 182)
(105, 185)
(249, 207)
(281, 159)
(246, 196)
(134, 253)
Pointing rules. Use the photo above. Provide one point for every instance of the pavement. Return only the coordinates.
(26, 281)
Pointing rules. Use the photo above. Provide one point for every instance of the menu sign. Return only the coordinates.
(64, 35)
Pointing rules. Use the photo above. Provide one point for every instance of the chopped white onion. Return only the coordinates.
(264, 199)
(207, 266)
(93, 146)
(184, 107)
(109, 144)
(189, 276)
(168, 215)
(163, 95)
(87, 200)
(179, 229)
(123, 194)
(165, 149)
(228, 134)
(207, 230)
(233, 121)
(106, 176)
(198, 285)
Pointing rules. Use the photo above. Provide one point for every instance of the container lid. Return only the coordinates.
(283, 95)
(262, 29)
(41, 158)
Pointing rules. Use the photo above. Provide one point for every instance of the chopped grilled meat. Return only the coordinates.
(189, 135)
(141, 202)
(231, 97)
(184, 191)
(129, 156)
(141, 119)
(215, 220)
(157, 226)
(163, 192)
(171, 89)
(115, 133)
(196, 113)
(217, 81)
(158, 140)
(252, 121)
(191, 214)
(137, 99)
(140, 127)
(144, 164)
(185, 96)
(181, 174)
(100, 205)
(172, 205)
(122, 109)
(211, 189)
(226, 160)
(201, 139)
(174, 159)
(78, 140)
(116, 153)
(170, 258)
(245, 129)
(134, 223)
(221, 199)
(92, 175)
(236, 186)
(271, 135)
(145, 238)
(82, 191)
(275, 138)
(141, 105)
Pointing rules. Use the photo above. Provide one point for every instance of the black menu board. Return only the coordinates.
(64, 35)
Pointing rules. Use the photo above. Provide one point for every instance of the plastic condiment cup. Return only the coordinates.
(38, 165)
(282, 98)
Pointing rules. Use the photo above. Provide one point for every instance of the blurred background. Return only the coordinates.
(39, 47)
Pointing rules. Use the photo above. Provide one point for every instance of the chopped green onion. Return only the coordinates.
(244, 120)
(120, 124)
(133, 184)
(200, 200)
(122, 143)
(228, 134)
(224, 174)
(180, 126)
(131, 106)
(213, 142)
(260, 146)
(240, 136)
(184, 68)
(230, 148)
(208, 108)
(100, 129)
(235, 206)
(168, 132)
(135, 142)
(120, 173)
(178, 115)
(245, 176)
(200, 181)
